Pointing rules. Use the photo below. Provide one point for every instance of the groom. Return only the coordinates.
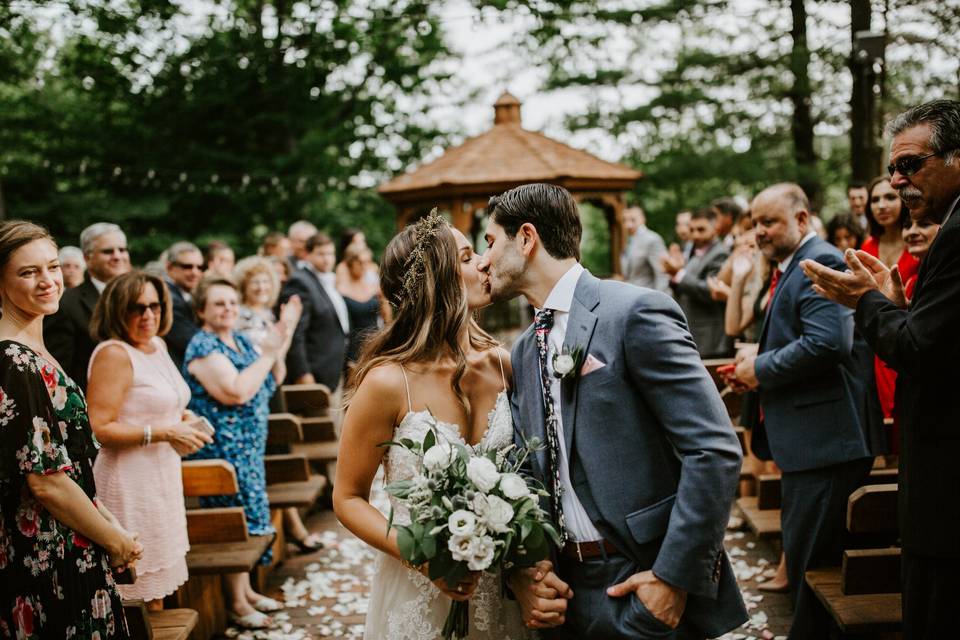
(640, 460)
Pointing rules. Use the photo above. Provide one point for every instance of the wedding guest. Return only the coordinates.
(231, 384)
(642, 252)
(259, 288)
(857, 195)
(300, 231)
(689, 285)
(275, 244)
(184, 269)
(887, 214)
(362, 298)
(844, 232)
(919, 235)
(59, 542)
(137, 401)
(681, 228)
(72, 266)
(319, 345)
(281, 266)
(922, 343)
(67, 332)
(728, 212)
(810, 370)
(220, 259)
(745, 297)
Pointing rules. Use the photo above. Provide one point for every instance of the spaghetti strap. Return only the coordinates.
(503, 378)
(407, 385)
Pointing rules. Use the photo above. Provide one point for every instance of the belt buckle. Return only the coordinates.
(579, 555)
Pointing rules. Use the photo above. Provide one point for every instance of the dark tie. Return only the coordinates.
(774, 280)
(542, 324)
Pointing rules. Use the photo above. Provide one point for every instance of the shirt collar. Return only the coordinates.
(561, 296)
(98, 284)
(783, 264)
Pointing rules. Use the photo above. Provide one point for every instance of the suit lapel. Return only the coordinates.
(88, 296)
(797, 257)
(580, 326)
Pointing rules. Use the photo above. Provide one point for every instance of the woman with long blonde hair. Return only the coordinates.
(431, 366)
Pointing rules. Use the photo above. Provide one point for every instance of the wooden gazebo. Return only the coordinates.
(463, 179)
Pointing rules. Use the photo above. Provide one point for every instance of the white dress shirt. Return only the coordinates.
(329, 283)
(579, 526)
(98, 285)
(783, 264)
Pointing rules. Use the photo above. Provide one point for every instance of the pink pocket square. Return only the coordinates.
(591, 364)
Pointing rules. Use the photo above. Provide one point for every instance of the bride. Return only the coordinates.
(433, 359)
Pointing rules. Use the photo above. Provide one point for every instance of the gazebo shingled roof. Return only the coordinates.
(507, 155)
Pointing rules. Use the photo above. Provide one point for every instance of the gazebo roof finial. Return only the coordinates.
(506, 110)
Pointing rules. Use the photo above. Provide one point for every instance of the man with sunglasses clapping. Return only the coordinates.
(922, 342)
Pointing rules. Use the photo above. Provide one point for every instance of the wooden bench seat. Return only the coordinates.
(170, 624)
(226, 557)
(284, 428)
(318, 452)
(862, 613)
(306, 399)
(302, 494)
(765, 523)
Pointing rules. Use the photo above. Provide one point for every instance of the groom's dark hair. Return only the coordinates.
(549, 208)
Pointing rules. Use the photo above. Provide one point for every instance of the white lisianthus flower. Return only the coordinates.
(438, 457)
(563, 364)
(483, 550)
(480, 504)
(483, 473)
(462, 523)
(513, 486)
(498, 514)
(461, 548)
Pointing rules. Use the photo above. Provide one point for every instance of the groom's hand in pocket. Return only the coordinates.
(664, 601)
(542, 595)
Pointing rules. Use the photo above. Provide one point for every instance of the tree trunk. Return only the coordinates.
(865, 153)
(801, 96)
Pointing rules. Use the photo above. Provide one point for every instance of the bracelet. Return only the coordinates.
(147, 436)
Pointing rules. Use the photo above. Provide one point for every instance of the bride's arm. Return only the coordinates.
(374, 411)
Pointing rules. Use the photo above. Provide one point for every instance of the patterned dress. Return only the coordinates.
(241, 431)
(54, 583)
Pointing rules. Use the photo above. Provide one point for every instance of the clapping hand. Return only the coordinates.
(865, 273)
(719, 290)
(673, 260)
(743, 263)
(290, 313)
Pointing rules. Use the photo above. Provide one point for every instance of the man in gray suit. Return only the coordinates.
(641, 257)
(641, 461)
(690, 288)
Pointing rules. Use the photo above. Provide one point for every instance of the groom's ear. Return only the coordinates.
(527, 239)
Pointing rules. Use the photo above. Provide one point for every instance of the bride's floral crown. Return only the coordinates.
(415, 265)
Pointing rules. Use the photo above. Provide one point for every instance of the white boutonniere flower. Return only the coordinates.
(566, 363)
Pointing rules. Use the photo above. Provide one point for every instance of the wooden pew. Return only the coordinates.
(169, 624)
(312, 400)
(219, 544)
(863, 594)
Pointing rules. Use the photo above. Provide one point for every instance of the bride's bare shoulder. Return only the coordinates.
(385, 380)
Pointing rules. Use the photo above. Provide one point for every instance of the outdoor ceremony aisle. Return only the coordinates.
(326, 591)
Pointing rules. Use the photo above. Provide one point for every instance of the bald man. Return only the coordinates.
(812, 375)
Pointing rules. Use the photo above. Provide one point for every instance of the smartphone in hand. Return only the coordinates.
(205, 426)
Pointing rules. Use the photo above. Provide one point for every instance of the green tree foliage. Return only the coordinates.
(263, 113)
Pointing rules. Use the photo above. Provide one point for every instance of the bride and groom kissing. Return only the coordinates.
(640, 459)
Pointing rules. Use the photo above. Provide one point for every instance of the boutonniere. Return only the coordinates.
(566, 363)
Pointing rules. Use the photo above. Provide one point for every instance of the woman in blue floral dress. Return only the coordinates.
(231, 383)
(57, 544)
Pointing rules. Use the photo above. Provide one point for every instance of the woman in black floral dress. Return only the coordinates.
(57, 545)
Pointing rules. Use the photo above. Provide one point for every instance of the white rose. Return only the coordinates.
(563, 364)
(482, 558)
(513, 486)
(483, 473)
(498, 514)
(438, 457)
(480, 504)
(462, 523)
(461, 548)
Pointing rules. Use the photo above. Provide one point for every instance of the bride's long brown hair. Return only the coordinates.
(420, 276)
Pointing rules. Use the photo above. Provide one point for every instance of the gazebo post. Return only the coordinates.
(615, 222)
(461, 218)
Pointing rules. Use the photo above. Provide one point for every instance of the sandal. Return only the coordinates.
(309, 544)
(255, 620)
(267, 605)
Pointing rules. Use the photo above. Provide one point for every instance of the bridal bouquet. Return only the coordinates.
(470, 510)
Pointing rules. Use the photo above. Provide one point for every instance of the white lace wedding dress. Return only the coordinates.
(404, 604)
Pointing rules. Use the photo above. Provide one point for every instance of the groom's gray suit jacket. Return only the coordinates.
(653, 456)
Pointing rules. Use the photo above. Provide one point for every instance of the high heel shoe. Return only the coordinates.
(308, 544)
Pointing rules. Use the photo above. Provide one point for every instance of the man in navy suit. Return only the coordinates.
(812, 375)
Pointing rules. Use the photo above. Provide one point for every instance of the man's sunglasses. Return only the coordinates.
(186, 266)
(909, 165)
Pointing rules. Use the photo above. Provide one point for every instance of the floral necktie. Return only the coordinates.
(542, 324)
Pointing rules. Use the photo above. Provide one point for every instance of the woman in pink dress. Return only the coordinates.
(138, 401)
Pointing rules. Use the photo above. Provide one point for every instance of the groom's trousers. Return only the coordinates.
(593, 615)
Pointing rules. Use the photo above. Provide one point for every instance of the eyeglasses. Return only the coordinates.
(186, 266)
(909, 165)
(138, 309)
(113, 250)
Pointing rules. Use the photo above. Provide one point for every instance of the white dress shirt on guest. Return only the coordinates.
(579, 526)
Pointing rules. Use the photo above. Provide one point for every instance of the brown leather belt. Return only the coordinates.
(585, 550)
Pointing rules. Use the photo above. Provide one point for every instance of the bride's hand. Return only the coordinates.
(462, 591)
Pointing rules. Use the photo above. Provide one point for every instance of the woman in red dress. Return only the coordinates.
(887, 216)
